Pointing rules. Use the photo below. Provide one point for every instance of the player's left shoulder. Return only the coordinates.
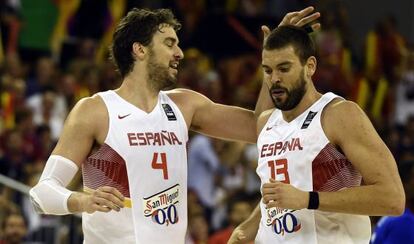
(341, 117)
(184, 96)
(341, 109)
(187, 101)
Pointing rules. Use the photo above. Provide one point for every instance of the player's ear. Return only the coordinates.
(310, 66)
(139, 50)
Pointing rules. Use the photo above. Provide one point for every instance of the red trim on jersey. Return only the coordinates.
(106, 167)
(331, 171)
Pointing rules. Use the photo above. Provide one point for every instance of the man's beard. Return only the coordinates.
(293, 97)
(159, 76)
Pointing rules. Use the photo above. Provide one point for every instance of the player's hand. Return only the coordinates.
(278, 194)
(298, 18)
(237, 237)
(104, 199)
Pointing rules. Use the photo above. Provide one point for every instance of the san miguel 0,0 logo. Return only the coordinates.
(161, 207)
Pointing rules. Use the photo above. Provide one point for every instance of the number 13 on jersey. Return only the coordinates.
(156, 164)
(279, 167)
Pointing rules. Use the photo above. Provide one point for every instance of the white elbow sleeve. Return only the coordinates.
(50, 195)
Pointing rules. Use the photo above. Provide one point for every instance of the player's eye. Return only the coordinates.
(267, 71)
(284, 69)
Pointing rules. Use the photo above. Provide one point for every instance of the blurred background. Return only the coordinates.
(54, 52)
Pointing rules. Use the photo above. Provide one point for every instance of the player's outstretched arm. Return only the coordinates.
(50, 195)
(246, 231)
(216, 120)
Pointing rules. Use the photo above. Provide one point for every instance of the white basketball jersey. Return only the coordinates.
(299, 153)
(145, 157)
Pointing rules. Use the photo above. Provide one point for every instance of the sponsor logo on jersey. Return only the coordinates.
(162, 206)
(308, 119)
(169, 112)
(153, 138)
(282, 221)
(280, 147)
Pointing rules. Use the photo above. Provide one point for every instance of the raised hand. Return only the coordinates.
(298, 18)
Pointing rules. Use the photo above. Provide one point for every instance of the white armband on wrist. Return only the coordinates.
(50, 195)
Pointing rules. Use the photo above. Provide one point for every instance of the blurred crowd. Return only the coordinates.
(55, 52)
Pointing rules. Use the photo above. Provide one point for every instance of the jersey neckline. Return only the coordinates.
(132, 106)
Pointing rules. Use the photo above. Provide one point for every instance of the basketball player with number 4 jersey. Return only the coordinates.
(323, 167)
(153, 167)
(136, 182)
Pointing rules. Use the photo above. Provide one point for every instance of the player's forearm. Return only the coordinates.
(50, 195)
(251, 225)
(264, 102)
(373, 200)
(228, 123)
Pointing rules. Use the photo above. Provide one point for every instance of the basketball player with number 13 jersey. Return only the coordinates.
(322, 165)
(299, 153)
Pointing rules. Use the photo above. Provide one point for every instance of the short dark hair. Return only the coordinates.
(286, 35)
(139, 25)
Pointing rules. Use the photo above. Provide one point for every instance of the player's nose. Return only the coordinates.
(179, 53)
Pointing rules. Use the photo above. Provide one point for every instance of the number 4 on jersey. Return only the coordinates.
(279, 167)
(160, 165)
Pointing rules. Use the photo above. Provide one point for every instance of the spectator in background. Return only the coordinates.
(385, 48)
(211, 86)
(230, 181)
(203, 165)
(407, 142)
(6, 206)
(250, 155)
(198, 229)
(233, 172)
(24, 124)
(45, 144)
(384, 51)
(10, 25)
(49, 107)
(335, 57)
(194, 67)
(404, 95)
(14, 160)
(399, 229)
(44, 76)
(14, 229)
(14, 67)
(12, 99)
(239, 210)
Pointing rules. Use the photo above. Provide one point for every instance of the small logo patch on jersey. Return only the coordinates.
(169, 112)
(308, 119)
(123, 116)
